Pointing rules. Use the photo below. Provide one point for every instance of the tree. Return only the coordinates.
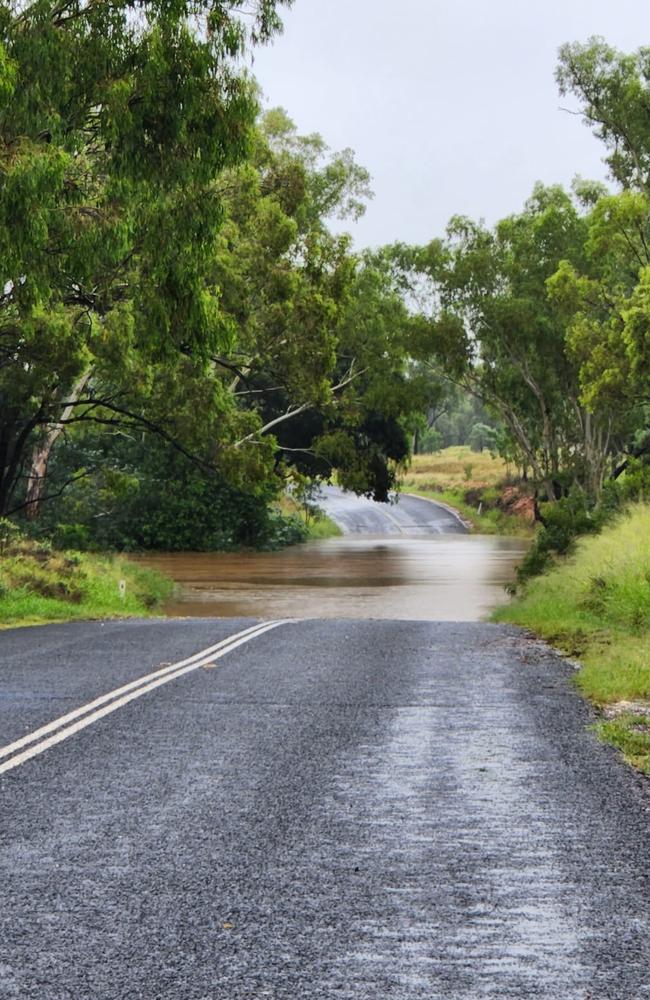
(116, 121)
(310, 377)
(607, 301)
(606, 310)
(499, 335)
(614, 91)
(319, 347)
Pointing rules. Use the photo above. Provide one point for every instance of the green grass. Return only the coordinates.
(316, 522)
(322, 526)
(630, 734)
(595, 606)
(39, 585)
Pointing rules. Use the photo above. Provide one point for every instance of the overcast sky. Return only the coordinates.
(451, 104)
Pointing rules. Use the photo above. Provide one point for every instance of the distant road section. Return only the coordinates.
(409, 515)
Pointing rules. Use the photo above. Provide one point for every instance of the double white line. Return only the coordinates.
(67, 725)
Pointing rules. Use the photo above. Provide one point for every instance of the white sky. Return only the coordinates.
(451, 104)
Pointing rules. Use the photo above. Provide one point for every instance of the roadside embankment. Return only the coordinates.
(39, 584)
(595, 606)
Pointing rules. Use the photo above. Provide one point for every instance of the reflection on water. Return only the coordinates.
(446, 577)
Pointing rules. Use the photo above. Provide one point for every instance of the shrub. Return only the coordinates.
(9, 535)
(564, 521)
(576, 514)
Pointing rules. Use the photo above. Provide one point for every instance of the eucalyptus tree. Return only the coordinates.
(309, 375)
(499, 334)
(116, 122)
(319, 352)
(613, 89)
(607, 301)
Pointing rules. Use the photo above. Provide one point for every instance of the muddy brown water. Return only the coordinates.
(448, 577)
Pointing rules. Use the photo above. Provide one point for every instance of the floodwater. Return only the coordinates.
(446, 577)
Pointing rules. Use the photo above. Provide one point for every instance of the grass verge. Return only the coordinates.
(316, 523)
(595, 606)
(39, 585)
(321, 526)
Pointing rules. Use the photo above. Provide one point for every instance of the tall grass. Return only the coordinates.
(455, 468)
(595, 605)
(317, 524)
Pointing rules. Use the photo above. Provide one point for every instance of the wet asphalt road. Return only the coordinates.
(336, 810)
(408, 515)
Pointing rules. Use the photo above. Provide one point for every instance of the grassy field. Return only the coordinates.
(595, 606)
(40, 585)
(470, 482)
(457, 468)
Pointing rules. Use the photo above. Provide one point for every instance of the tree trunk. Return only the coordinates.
(42, 452)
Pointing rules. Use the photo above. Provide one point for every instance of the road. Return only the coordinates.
(408, 515)
(330, 810)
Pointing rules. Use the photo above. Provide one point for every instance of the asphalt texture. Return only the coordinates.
(335, 810)
(405, 515)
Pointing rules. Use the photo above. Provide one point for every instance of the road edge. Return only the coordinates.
(451, 510)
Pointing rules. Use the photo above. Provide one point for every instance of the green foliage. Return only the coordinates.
(482, 436)
(310, 372)
(176, 306)
(9, 534)
(430, 441)
(603, 584)
(564, 521)
(614, 91)
(145, 496)
(495, 283)
(579, 514)
(117, 120)
(321, 527)
(606, 301)
(243, 311)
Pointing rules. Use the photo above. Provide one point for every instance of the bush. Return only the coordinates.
(576, 514)
(482, 436)
(564, 521)
(9, 535)
(169, 505)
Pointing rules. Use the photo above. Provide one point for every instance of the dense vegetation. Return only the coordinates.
(544, 318)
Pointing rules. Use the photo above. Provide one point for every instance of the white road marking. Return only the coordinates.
(169, 668)
(87, 714)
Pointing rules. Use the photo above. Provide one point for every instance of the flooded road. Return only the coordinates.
(442, 577)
